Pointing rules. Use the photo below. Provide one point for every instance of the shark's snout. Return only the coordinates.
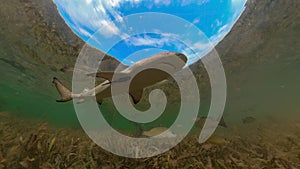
(182, 57)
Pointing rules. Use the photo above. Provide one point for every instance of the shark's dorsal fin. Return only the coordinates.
(109, 63)
(136, 96)
(109, 75)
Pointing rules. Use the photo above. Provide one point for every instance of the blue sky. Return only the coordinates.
(103, 19)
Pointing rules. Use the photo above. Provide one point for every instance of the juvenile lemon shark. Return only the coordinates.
(140, 78)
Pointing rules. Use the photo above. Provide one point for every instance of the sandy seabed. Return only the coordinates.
(28, 144)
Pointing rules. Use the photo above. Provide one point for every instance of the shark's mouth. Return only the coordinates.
(170, 65)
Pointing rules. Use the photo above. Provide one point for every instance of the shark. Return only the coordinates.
(140, 78)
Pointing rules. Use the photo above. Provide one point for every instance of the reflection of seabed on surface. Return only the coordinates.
(145, 147)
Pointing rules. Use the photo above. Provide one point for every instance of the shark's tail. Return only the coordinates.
(65, 93)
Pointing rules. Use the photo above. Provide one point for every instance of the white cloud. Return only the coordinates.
(149, 41)
(83, 32)
(238, 6)
(113, 3)
(124, 36)
(108, 28)
(88, 1)
(218, 22)
(196, 21)
(197, 50)
(165, 34)
(236, 2)
(198, 2)
(222, 32)
(201, 46)
(94, 15)
(165, 38)
(100, 8)
(162, 2)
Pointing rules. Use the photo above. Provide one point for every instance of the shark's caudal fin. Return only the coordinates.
(66, 94)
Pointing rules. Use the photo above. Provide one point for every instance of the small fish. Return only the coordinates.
(216, 140)
(51, 144)
(157, 131)
(248, 119)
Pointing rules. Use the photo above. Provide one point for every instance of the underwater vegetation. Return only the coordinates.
(28, 144)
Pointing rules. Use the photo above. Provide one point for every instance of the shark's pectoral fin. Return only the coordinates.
(65, 93)
(136, 96)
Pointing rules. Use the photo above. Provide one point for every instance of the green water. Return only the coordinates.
(266, 85)
(264, 91)
(38, 106)
(32, 104)
(35, 99)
